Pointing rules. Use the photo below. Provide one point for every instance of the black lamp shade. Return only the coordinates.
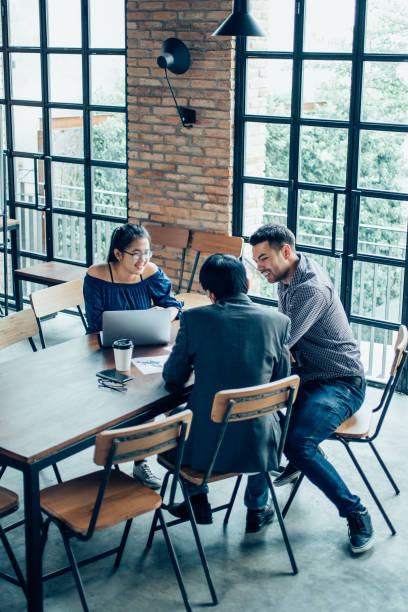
(239, 23)
(175, 56)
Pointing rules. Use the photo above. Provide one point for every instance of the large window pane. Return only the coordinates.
(68, 186)
(386, 26)
(383, 227)
(326, 89)
(25, 76)
(107, 23)
(65, 78)
(109, 191)
(383, 160)
(67, 132)
(261, 98)
(264, 204)
(108, 136)
(64, 23)
(1, 76)
(376, 348)
(24, 184)
(32, 230)
(27, 129)
(277, 21)
(267, 150)
(329, 25)
(323, 155)
(315, 219)
(101, 235)
(108, 80)
(68, 237)
(24, 30)
(385, 92)
(376, 291)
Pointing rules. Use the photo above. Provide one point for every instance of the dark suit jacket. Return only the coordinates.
(234, 343)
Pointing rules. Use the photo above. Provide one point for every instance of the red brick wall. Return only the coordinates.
(177, 175)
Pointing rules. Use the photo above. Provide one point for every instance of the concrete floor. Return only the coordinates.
(251, 573)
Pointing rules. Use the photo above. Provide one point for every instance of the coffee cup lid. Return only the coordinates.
(122, 344)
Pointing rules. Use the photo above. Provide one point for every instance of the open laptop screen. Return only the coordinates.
(143, 327)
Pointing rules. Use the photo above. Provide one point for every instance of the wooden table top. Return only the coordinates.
(51, 272)
(51, 398)
(11, 223)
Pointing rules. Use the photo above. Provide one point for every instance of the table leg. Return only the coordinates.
(33, 539)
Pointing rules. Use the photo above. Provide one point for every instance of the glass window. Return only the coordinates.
(376, 291)
(24, 23)
(67, 138)
(25, 76)
(385, 92)
(326, 89)
(101, 235)
(315, 219)
(27, 128)
(259, 286)
(1, 76)
(383, 160)
(277, 21)
(108, 136)
(32, 231)
(383, 227)
(68, 186)
(261, 98)
(68, 237)
(329, 25)
(101, 13)
(323, 153)
(109, 191)
(65, 72)
(108, 80)
(264, 204)
(386, 26)
(24, 184)
(267, 150)
(376, 349)
(64, 23)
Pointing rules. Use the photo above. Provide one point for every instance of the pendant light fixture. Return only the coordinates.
(240, 22)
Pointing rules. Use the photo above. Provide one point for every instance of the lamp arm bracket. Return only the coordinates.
(187, 115)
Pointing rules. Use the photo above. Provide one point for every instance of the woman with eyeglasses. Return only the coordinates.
(128, 281)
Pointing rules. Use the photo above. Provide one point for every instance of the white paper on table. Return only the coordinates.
(150, 365)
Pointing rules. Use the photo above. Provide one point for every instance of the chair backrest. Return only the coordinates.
(18, 326)
(206, 243)
(399, 347)
(236, 405)
(171, 236)
(140, 441)
(58, 297)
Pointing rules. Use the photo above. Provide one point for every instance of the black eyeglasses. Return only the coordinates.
(139, 254)
(112, 385)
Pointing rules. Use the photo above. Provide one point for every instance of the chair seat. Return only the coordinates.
(8, 501)
(195, 476)
(358, 425)
(193, 300)
(50, 273)
(72, 502)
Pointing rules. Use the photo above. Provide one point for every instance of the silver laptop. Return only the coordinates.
(141, 326)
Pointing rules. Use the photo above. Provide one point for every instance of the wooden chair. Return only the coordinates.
(53, 299)
(229, 407)
(171, 236)
(8, 504)
(364, 426)
(21, 325)
(107, 497)
(206, 243)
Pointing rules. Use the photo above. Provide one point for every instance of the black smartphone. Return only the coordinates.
(113, 376)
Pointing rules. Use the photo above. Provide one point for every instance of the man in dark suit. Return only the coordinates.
(229, 344)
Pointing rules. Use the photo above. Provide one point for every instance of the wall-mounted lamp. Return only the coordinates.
(240, 22)
(176, 58)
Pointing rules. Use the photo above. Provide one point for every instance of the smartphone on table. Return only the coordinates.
(113, 376)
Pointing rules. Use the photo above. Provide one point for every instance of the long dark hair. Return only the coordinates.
(123, 235)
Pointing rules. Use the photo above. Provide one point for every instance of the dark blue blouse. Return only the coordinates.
(101, 295)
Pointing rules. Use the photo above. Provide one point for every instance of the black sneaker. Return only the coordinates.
(289, 474)
(201, 508)
(360, 531)
(257, 519)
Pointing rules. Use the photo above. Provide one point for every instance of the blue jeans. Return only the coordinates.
(320, 408)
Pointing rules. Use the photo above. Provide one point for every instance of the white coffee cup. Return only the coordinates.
(122, 351)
